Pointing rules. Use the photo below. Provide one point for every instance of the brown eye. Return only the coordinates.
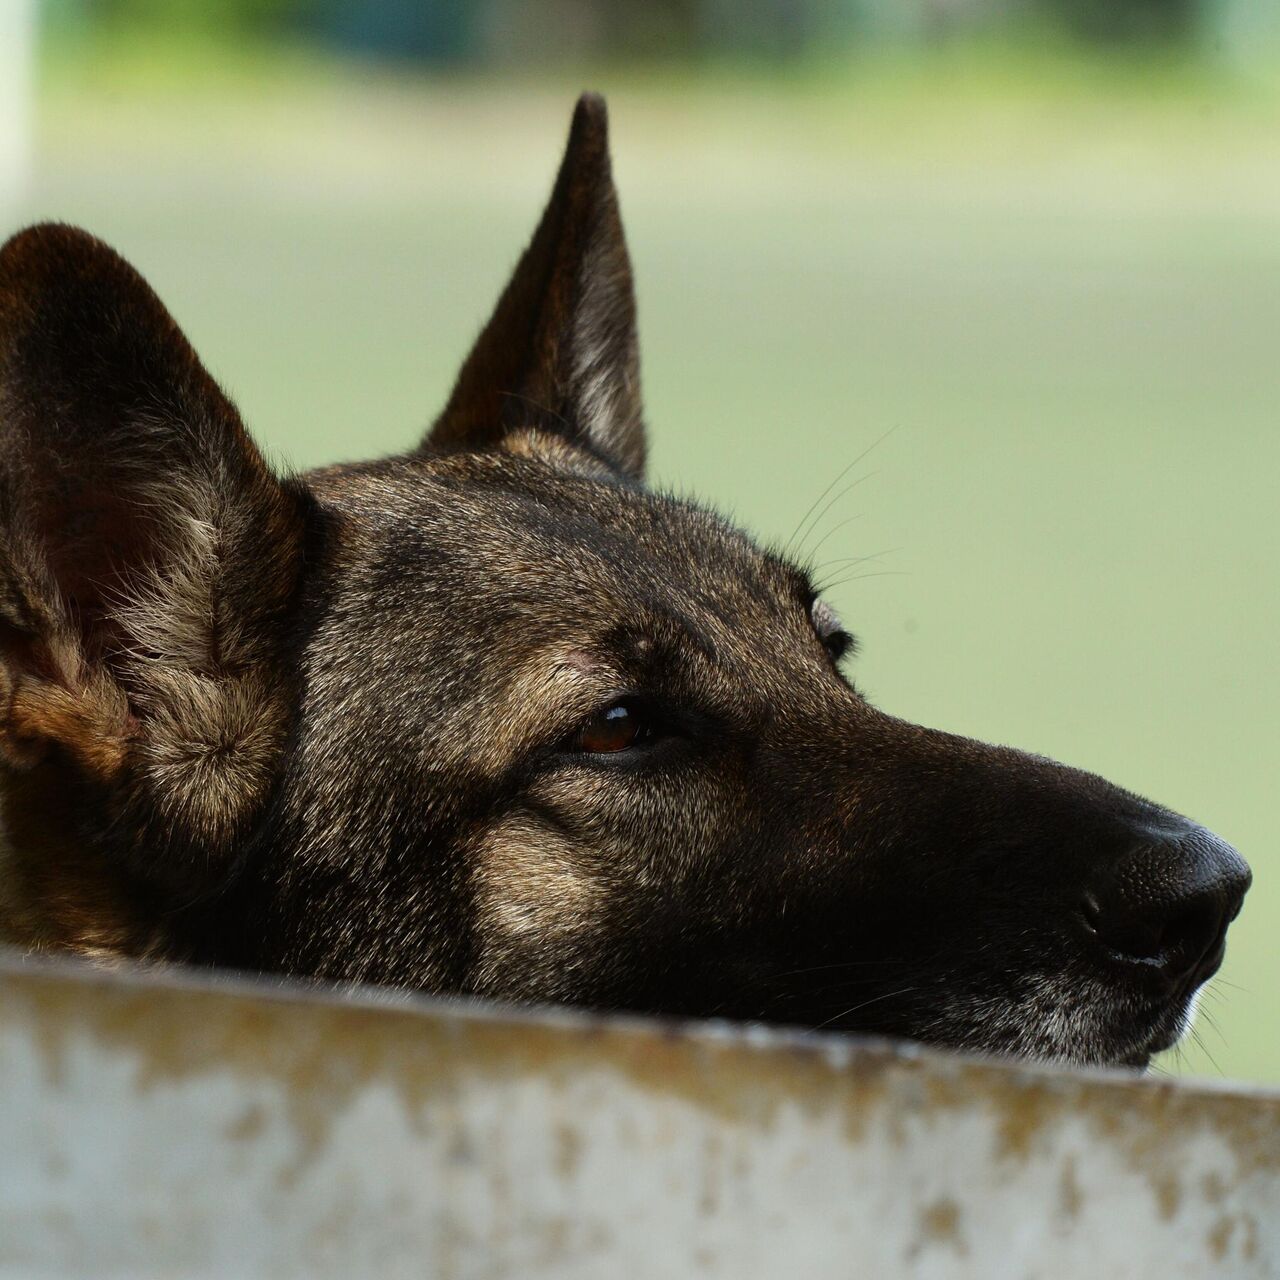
(616, 728)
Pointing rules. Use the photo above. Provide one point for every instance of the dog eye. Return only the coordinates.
(617, 728)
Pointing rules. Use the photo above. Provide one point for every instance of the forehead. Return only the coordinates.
(461, 606)
(519, 541)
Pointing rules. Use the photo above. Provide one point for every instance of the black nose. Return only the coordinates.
(1167, 903)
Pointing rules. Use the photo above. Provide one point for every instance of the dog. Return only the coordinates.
(491, 718)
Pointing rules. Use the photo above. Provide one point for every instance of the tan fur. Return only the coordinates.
(555, 451)
(530, 881)
(203, 682)
(210, 748)
(89, 724)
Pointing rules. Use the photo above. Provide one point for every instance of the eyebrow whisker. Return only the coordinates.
(809, 516)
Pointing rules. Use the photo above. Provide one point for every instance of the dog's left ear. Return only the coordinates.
(149, 563)
(559, 356)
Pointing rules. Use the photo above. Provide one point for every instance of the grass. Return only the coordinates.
(1049, 288)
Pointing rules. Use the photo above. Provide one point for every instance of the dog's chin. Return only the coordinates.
(1130, 1044)
(1138, 1062)
(1171, 1025)
(1103, 1028)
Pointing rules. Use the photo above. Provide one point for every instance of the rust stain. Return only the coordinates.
(1250, 1247)
(1070, 1196)
(1213, 1186)
(939, 1224)
(248, 1125)
(555, 1233)
(1223, 1234)
(1168, 1189)
(712, 1175)
(568, 1150)
(1220, 1237)
(1025, 1115)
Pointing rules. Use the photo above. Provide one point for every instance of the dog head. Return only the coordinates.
(492, 718)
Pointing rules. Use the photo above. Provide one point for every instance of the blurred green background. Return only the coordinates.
(1026, 253)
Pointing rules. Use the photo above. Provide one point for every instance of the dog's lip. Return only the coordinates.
(1168, 1024)
(1140, 1060)
(1137, 1054)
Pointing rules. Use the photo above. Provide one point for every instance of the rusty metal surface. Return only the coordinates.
(164, 1126)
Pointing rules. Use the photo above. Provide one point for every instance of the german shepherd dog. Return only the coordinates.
(492, 718)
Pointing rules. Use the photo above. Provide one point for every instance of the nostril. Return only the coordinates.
(1131, 934)
(1091, 912)
(1194, 931)
(1175, 931)
(1124, 931)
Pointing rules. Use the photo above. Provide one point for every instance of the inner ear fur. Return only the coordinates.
(148, 561)
(559, 356)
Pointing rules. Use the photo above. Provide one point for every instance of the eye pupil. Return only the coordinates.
(614, 729)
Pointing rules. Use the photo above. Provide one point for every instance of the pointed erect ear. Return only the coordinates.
(559, 354)
(147, 553)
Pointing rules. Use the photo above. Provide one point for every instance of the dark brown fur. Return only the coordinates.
(332, 725)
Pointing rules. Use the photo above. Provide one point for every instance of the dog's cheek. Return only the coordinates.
(537, 908)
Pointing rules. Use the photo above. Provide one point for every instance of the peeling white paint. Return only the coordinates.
(160, 1126)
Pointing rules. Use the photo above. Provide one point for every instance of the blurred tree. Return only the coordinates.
(1128, 21)
(229, 17)
(1245, 32)
(549, 31)
(442, 31)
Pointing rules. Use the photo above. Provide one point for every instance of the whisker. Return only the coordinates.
(859, 577)
(765, 986)
(835, 528)
(848, 560)
(844, 493)
(846, 985)
(888, 995)
(1213, 1023)
(838, 964)
(804, 520)
(1219, 981)
(1204, 1048)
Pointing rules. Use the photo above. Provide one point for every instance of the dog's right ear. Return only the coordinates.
(558, 360)
(147, 560)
